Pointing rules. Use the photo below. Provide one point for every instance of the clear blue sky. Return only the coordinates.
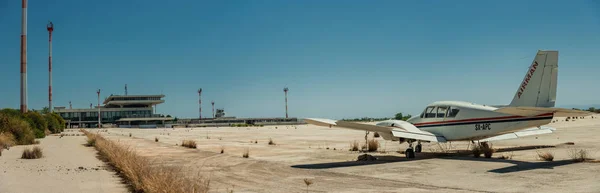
(340, 59)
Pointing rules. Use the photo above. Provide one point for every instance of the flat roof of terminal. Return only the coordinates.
(151, 95)
(115, 99)
(147, 119)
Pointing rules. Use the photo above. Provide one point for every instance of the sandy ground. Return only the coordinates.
(321, 154)
(67, 166)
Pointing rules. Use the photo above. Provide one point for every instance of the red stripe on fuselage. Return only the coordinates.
(478, 119)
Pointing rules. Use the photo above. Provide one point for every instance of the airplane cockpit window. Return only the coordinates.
(430, 112)
(441, 112)
(452, 112)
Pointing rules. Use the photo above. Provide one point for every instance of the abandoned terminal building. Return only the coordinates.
(138, 111)
(121, 110)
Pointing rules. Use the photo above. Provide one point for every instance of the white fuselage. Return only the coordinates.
(472, 121)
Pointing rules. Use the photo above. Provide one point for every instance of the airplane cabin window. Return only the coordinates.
(441, 112)
(452, 112)
(430, 112)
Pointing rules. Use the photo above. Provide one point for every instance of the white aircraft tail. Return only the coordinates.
(538, 88)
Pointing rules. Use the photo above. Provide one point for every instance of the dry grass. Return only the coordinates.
(271, 142)
(6, 140)
(354, 146)
(308, 182)
(34, 153)
(506, 156)
(579, 155)
(246, 153)
(91, 141)
(145, 176)
(188, 143)
(546, 155)
(373, 145)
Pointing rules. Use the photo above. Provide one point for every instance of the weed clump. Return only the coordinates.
(308, 182)
(155, 139)
(188, 143)
(34, 153)
(91, 141)
(546, 156)
(509, 156)
(578, 155)
(246, 153)
(373, 145)
(376, 135)
(271, 142)
(354, 146)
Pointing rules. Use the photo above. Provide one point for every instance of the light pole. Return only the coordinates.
(99, 122)
(200, 102)
(285, 90)
(213, 108)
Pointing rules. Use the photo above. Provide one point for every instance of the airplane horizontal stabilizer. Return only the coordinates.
(533, 111)
(522, 133)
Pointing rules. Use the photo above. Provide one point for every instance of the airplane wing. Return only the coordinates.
(522, 133)
(533, 111)
(395, 128)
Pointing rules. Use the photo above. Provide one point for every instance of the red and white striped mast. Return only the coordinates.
(24, 57)
(50, 28)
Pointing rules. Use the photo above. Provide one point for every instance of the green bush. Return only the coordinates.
(11, 112)
(61, 122)
(26, 127)
(54, 124)
(18, 127)
(37, 123)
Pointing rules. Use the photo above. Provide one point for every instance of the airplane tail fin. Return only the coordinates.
(538, 88)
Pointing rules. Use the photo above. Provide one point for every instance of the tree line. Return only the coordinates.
(591, 109)
(23, 128)
(398, 116)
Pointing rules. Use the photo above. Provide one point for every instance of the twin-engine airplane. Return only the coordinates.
(444, 121)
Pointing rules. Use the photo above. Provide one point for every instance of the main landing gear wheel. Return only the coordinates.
(418, 148)
(409, 153)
